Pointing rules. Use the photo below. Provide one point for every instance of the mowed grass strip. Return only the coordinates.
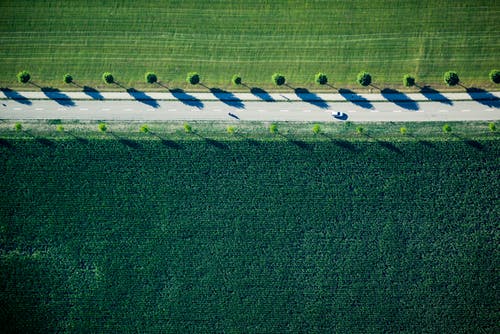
(254, 38)
(122, 232)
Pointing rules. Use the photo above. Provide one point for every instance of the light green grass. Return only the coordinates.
(255, 38)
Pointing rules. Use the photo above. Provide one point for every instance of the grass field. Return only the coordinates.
(255, 38)
(254, 233)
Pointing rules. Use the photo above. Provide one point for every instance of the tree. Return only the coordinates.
(316, 129)
(18, 126)
(108, 78)
(495, 76)
(273, 128)
(67, 78)
(144, 128)
(403, 130)
(321, 78)
(236, 79)
(446, 128)
(492, 127)
(23, 77)
(102, 127)
(60, 128)
(188, 128)
(360, 130)
(231, 129)
(364, 78)
(278, 79)
(151, 78)
(193, 78)
(451, 78)
(408, 80)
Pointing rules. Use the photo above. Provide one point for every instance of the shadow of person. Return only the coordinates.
(400, 99)
(484, 97)
(261, 94)
(57, 96)
(227, 97)
(93, 93)
(354, 98)
(186, 98)
(13, 95)
(309, 97)
(434, 95)
(143, 97)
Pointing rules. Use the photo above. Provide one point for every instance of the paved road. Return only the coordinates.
(254, 107)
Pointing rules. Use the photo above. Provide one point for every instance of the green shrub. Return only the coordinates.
(408, 80)
(451, 78)
(187, 128)
(102, 127)
(321, 78)
(446, 128)
(236, 79)
(278, 79)
(316, 129)
(151, 78)
(403, 130)
(144, 128)
(273, 128)
(495, 76)
(364, 78)
(193, 78)
(68, 78)
(231, 129)
(18, 126)
(492, 127)
(108, 78)
(360, 130)
(60, 128)
(23, 77)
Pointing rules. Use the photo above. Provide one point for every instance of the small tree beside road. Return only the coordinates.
(321, 78)
(236, 79)
(108, 78)
(151, 78)
(68, 78)
(278, 79)
(193, 78)
(23, 77)
(408, 80)
(495, 76)
(364, 78)
(451, 78)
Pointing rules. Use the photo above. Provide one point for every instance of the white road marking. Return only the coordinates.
(38, 108)
(352, 111)
(84, 109)
(171, 109)
(284, 110)
(260, 110)
(373, 110)
(396, 110)
(489, 109)
(310, 111)
(61, 109)
(127, 109)
(105, 109)
(465, 110)
(443, 110)
(18, 108)
(216, 109)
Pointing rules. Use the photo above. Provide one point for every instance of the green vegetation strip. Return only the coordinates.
(167, 231)
(253, 38)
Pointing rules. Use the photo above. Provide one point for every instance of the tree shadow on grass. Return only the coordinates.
(299, 143)
(79, 139)
(43, 141)
(13, 95)
(185, 98)
(309, 97)
(227, 97)
(356, 99)
(434, 95)
(387, 145)
(261, 94)
(400, 99)
(126, 142)
(167, 142)
(57, 96)
(472, 143)
(340, 143)
(93, 93)
(143, 97)
(213, 142)
(248, 140)
(5, 143)
(484, 97)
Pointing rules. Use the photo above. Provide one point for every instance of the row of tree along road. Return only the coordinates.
(364, 78)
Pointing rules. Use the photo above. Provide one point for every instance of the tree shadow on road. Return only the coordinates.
(400, 99)
(227, 97)
(354, 98)
(93, 93)
(186, 98)
(57, 96)
(13, 95)
(434, 95)
(484, 97)
(309, 97)
(143, 97)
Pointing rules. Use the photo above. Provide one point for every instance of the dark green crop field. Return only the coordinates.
(219, 38)
(155, 233)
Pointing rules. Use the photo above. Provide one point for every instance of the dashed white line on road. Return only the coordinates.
(61, 109)
(465, 110)
(171, 109)
(373, 110)
(38, 108)
(18, 108)
(127, 109)
(105, 109)
(396, 110)
(216, 109)
(84, 109)
(260, 110)
(309, 111)
(284, 110)
(352, 111)
(443, 110)
(489, 109)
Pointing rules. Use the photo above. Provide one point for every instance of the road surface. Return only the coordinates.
(303, 107)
